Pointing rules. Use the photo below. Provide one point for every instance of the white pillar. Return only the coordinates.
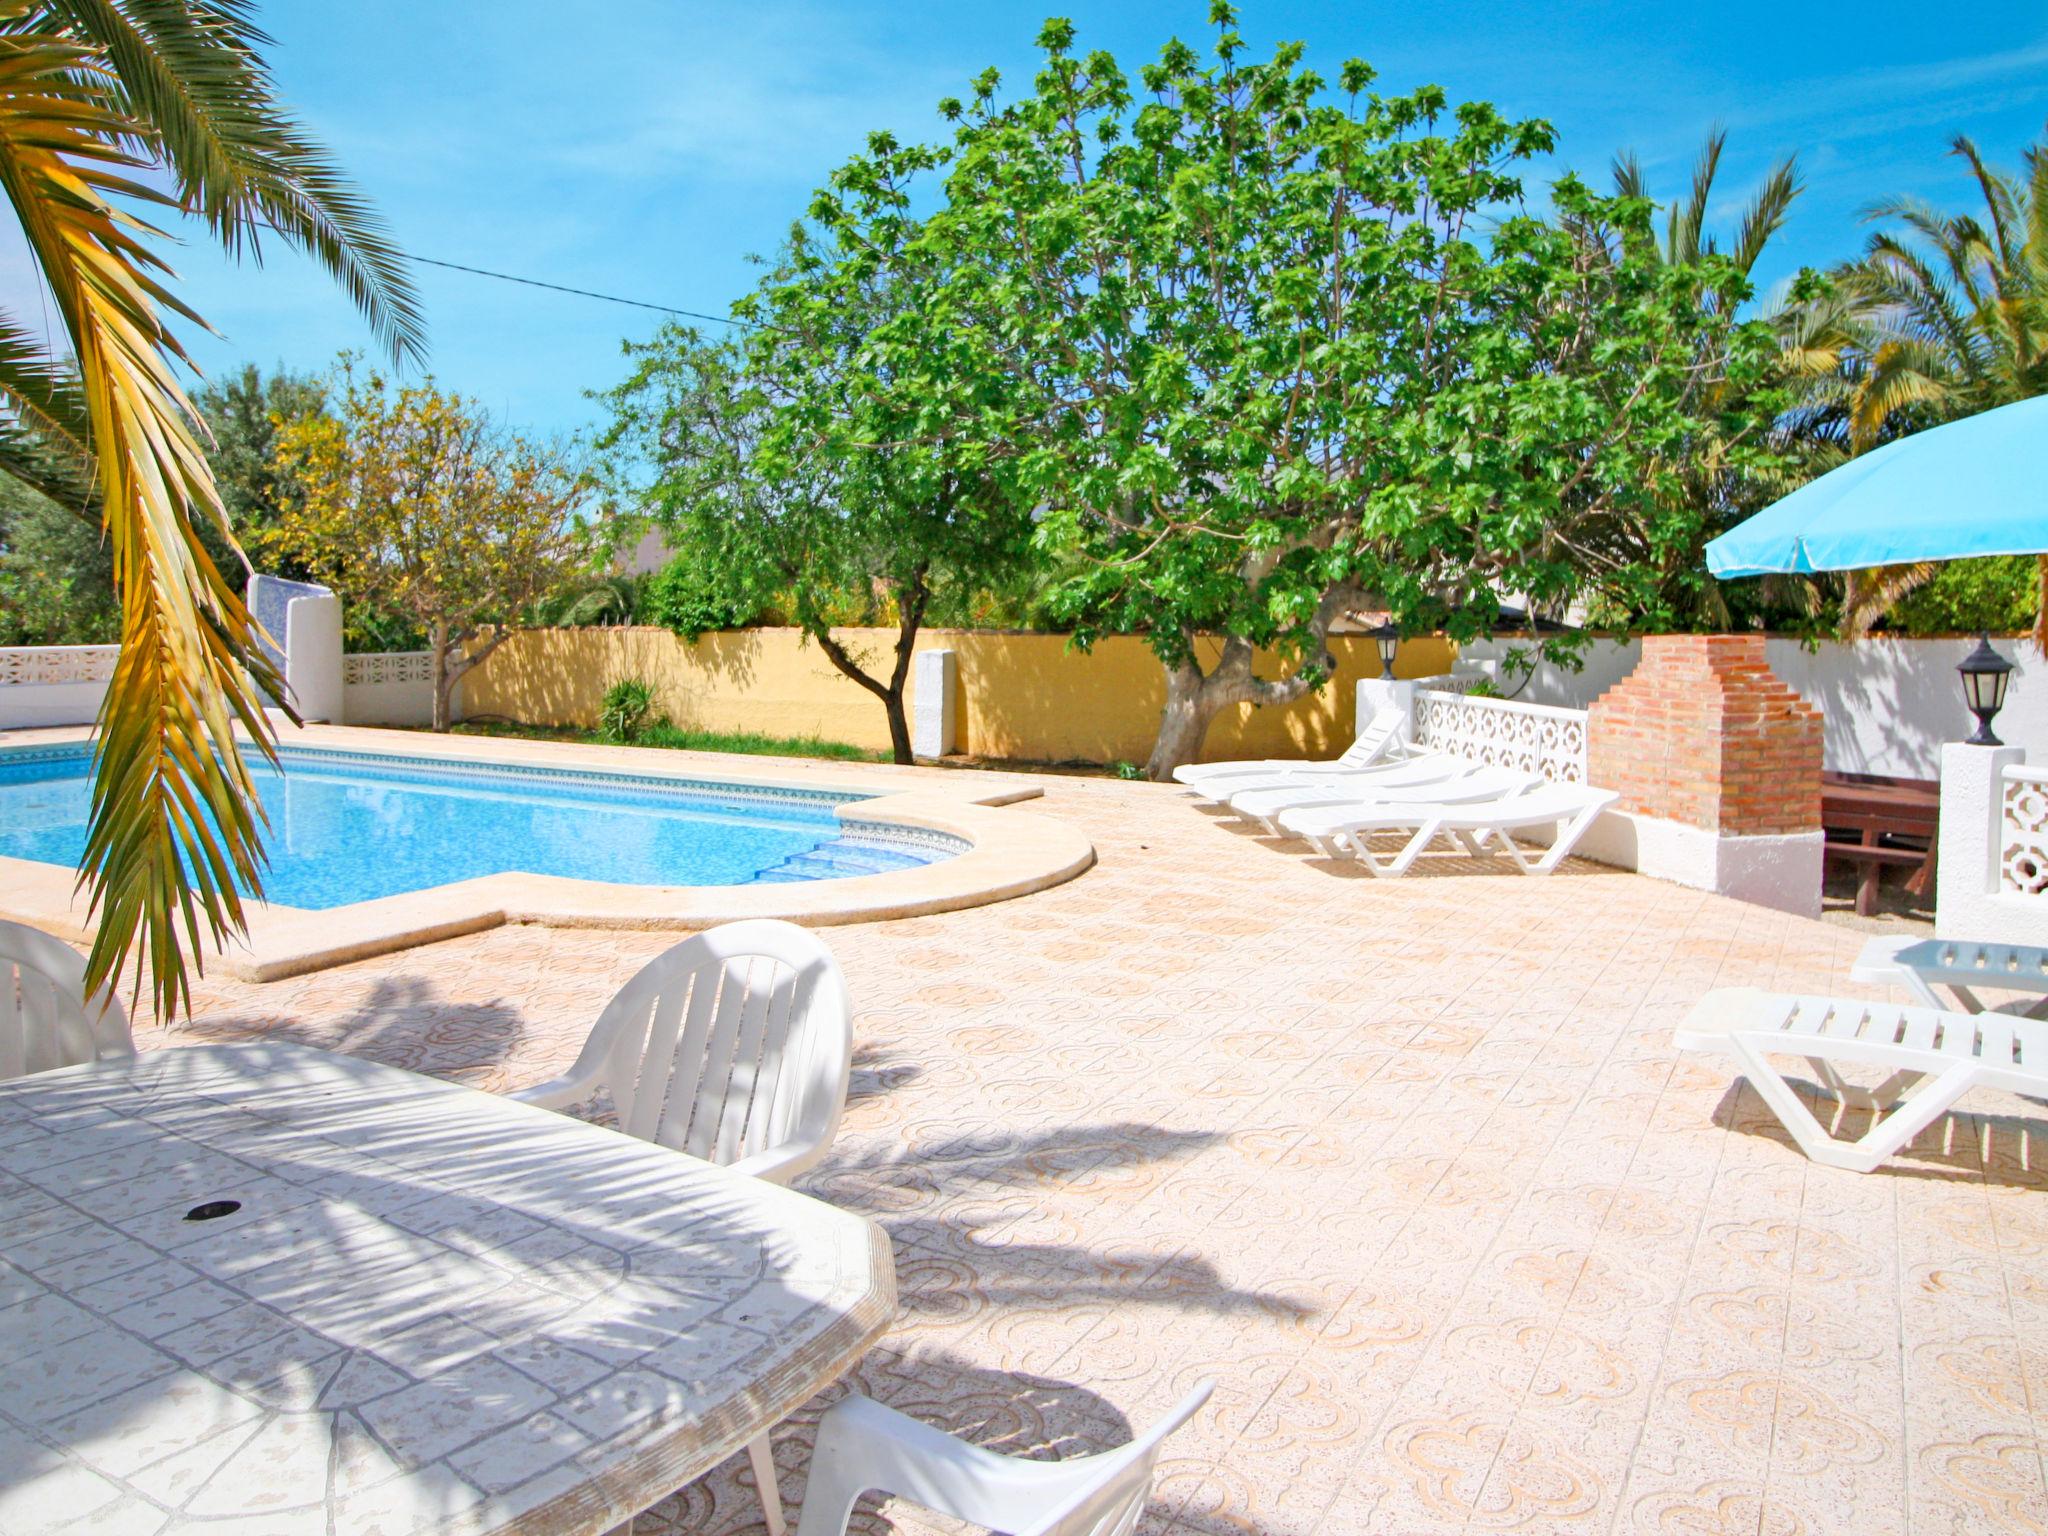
(312, 656)
(1378, 693)
(1969, 902)
(933, 709)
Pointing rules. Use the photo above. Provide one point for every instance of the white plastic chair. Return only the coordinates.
(1960, 966)
(863, 1447)
(1934, 1058)
(1570, 809)
(735, 1046)
(45, 1020)
(1378, 742)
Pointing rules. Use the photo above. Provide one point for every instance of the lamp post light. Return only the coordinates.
(1387, 636)
(1985, 674)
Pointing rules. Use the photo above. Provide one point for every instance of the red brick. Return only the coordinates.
(1704, 732)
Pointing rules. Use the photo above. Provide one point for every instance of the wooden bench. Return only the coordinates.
(1875, 823)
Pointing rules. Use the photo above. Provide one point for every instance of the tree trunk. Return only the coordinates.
(1184, 723)
(2041, 603)
(911, 599)
(1193, 697)
(438, 639)
(899, 725)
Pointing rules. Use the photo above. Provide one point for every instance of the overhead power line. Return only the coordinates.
(582, 293)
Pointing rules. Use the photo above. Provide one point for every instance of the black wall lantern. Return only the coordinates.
(1387, 636)
(1985, 674)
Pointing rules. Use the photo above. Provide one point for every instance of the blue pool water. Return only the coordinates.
(350, 827)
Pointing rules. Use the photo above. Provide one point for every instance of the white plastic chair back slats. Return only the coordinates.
(1374, 741)
(1934, 1057)
(45, 1021)
(864, 1447)
(733, 1046)
(1111, 1502)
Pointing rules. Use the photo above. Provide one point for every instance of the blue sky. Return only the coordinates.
(647, 147)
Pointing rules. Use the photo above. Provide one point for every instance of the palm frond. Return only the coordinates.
(2000, 198)
(1629, 180)
(1683, 235)
(1766, 212)
(1868, 595)
(1902, 374)
(2035, 251)
(173, 828)
(192, 72)
(45, 433)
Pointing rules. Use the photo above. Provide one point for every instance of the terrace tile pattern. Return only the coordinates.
(1410, 1168)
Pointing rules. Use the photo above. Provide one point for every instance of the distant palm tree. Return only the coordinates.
(1686, 236)
(1939, 320)
(1715, 474)
(1955, 321)
(107, 107)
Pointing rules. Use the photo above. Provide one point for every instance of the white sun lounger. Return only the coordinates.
(1467, 784)
(1958, 965)
(1570, 808)
(1379, 742)
(1934, 1058)
(1421, 768)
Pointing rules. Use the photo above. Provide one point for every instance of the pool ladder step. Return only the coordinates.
(833, 861)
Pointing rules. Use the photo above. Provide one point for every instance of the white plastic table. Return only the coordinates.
(433, 1309)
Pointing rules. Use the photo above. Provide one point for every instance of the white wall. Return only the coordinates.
(1892, 704)
(1889, 704)
(391, 688)
(1607, 662)
(53, 684)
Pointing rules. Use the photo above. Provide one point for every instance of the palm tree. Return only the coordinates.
(1686, 238)
(108, 107)
(1716, 473)
(1941, 319)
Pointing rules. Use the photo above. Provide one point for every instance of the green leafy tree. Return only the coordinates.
(803, 466)
(56, 572)
(244, 412)
(1264, 353)
(413, 502)
(1738, 458)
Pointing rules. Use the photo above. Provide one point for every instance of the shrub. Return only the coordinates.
(1999, 593)
(627, 705)
(685, 596)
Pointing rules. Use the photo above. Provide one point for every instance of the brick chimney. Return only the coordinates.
(1703, 733)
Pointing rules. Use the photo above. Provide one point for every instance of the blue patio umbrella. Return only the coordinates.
(1978, 486)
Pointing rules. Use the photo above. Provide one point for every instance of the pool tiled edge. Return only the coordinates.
(1009, 853)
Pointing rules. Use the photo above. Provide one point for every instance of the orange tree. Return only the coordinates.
(412, 502)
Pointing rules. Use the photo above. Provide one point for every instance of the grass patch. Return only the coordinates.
(662, 734)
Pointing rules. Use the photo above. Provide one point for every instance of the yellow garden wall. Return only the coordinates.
(1021, 696)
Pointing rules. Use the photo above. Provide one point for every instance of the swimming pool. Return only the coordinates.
(348, 827)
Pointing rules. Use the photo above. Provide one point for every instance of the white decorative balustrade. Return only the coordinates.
(43, 685)
(48, 666)
(379, 668)
(1536, 738)
(390, 688)
(2023, 847)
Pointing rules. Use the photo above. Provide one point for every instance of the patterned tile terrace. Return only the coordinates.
(1409, 1167)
